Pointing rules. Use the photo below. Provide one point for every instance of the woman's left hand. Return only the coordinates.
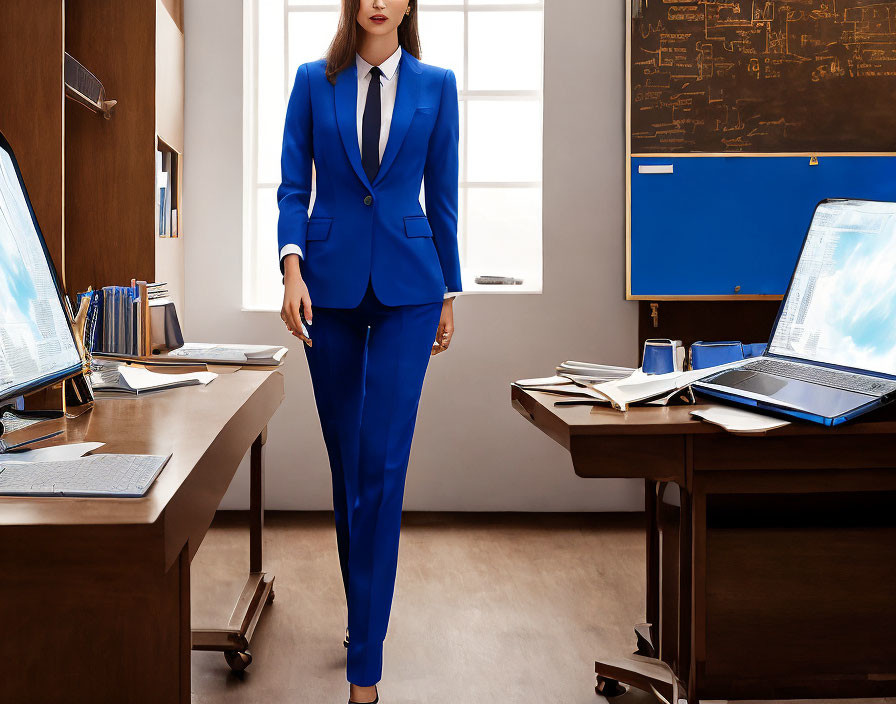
(446, 327)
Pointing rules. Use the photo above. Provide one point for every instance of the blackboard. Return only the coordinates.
(762, 76)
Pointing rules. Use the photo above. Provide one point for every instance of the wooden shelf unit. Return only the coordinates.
(92, 180)
(136, 49)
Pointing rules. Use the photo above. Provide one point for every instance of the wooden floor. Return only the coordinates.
(488, 608)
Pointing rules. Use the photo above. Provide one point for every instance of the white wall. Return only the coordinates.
(471, 450)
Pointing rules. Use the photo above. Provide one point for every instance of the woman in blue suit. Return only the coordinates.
(375, 278)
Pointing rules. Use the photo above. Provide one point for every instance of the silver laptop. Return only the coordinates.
(832, 352)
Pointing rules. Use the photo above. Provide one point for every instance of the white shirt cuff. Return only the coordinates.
(451, 294)
(291, 249)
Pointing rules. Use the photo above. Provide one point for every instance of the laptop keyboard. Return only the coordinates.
(859, 383)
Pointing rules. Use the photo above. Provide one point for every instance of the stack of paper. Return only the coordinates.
(228, 353)
(562, 386)
(592, 373)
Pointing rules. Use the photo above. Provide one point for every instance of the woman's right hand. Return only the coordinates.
(295, 298)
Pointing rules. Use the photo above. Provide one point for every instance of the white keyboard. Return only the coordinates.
(93, 475)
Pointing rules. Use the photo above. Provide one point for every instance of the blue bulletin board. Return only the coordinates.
(720, 226)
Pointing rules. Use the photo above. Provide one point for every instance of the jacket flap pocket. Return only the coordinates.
(318, 228)
(417, 226)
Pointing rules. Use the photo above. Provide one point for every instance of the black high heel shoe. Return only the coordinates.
(375, 701)
(345, 642)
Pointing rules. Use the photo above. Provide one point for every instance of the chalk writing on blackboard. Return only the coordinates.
(763, 76)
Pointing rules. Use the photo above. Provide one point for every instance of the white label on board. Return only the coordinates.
(655, 168)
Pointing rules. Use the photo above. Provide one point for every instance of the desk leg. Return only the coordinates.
(697, 611)
(653, 569)
(643, 670)
(683, 654)
(234, 640)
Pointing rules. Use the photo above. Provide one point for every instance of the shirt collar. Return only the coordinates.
(388, 67)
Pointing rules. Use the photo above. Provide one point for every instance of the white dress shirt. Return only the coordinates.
(389, 86)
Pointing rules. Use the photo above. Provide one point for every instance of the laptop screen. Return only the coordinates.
(841, 305)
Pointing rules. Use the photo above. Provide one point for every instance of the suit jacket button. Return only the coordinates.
(368, 200)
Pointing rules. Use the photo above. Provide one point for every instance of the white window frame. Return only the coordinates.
(251, 251)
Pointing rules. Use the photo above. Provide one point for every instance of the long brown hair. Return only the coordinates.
(341, 52)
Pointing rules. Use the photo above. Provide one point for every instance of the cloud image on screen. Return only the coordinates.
(842, 305)
(35, 340)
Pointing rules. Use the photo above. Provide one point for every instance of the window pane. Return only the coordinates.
(537, 3)
(505, 50)
(270, 83)
(503, 236)
(268, 287)
(310, 34)
(442, 41)
(504, 140)
(424, 3)
(462, 226)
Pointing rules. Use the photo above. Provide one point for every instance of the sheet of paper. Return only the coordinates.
(738, 420)
(644, 387)
(571, 390)
(53, 453)
(542, 381)
(139, 378)
(571, 363)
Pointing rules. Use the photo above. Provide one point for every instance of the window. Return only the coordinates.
(496, 52)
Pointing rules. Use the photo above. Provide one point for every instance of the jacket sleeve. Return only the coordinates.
(440, 182)
(294, 192)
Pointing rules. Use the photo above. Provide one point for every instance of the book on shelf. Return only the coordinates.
(118, 319)
(166, 194)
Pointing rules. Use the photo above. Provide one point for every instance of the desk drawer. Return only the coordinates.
(840, 451)
(655, 457)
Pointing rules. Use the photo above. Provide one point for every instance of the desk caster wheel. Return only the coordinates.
(270, 596)
(238, 660)
(607, 687)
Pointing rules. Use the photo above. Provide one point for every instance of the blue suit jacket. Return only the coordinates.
(361, 231)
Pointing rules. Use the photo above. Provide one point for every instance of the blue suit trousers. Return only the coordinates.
(367, 366)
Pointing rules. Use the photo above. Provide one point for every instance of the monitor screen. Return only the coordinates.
(37, 345)
(841, 305)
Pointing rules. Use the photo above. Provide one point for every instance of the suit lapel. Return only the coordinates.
(346, 97)
(405, 106)
(346, 90)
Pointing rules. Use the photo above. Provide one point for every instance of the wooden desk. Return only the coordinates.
(771, 559)
(95, 593)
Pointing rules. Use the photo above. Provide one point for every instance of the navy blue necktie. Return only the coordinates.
(370, 126)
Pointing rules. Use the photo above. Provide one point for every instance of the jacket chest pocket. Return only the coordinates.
(417, 226)
(318, 229)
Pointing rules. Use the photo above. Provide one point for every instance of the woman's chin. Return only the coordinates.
(374, 28)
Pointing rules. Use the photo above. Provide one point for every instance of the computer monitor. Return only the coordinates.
(840, 308)
(37, 343)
